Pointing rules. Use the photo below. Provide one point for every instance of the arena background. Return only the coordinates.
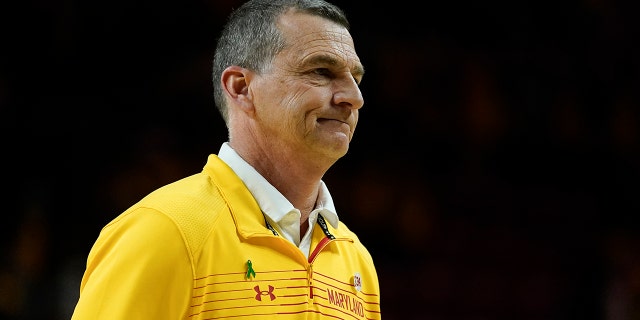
(493, 175)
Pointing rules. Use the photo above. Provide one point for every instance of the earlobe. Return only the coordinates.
(235, 81)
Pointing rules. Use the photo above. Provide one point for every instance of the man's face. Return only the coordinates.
(309, 98)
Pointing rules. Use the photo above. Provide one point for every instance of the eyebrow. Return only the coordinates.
(356, 70)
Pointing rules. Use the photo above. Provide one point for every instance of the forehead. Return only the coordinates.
(308, 36)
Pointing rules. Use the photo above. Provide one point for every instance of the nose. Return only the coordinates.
(347, 93)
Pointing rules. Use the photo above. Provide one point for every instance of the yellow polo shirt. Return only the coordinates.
(199, 248)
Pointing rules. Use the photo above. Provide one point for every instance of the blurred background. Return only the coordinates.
(494, 173)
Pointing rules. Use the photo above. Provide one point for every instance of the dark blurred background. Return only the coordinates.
(494, 173)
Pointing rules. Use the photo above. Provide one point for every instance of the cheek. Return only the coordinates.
(290, 106)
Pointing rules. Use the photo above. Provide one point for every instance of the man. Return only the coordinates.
(255, 234)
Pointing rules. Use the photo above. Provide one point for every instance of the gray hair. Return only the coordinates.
(251, 39)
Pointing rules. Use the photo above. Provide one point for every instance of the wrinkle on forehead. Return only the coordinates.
(318, 36)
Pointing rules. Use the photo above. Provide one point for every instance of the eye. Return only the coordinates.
(322, 71)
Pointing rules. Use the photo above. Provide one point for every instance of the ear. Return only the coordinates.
(235, 82)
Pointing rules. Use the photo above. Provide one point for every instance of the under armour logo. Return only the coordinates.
(264, 293)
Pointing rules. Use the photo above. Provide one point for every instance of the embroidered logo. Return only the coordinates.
(264, 293)
(357, 281)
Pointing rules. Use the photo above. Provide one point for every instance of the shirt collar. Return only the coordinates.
(270, 200)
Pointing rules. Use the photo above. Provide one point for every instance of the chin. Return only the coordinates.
(339, 150)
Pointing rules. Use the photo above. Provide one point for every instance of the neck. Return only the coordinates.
(298, 181)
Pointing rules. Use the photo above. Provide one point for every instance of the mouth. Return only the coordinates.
(331, 120)
(335, 125)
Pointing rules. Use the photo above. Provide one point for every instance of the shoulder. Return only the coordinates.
(189, 208)
(343, 231)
